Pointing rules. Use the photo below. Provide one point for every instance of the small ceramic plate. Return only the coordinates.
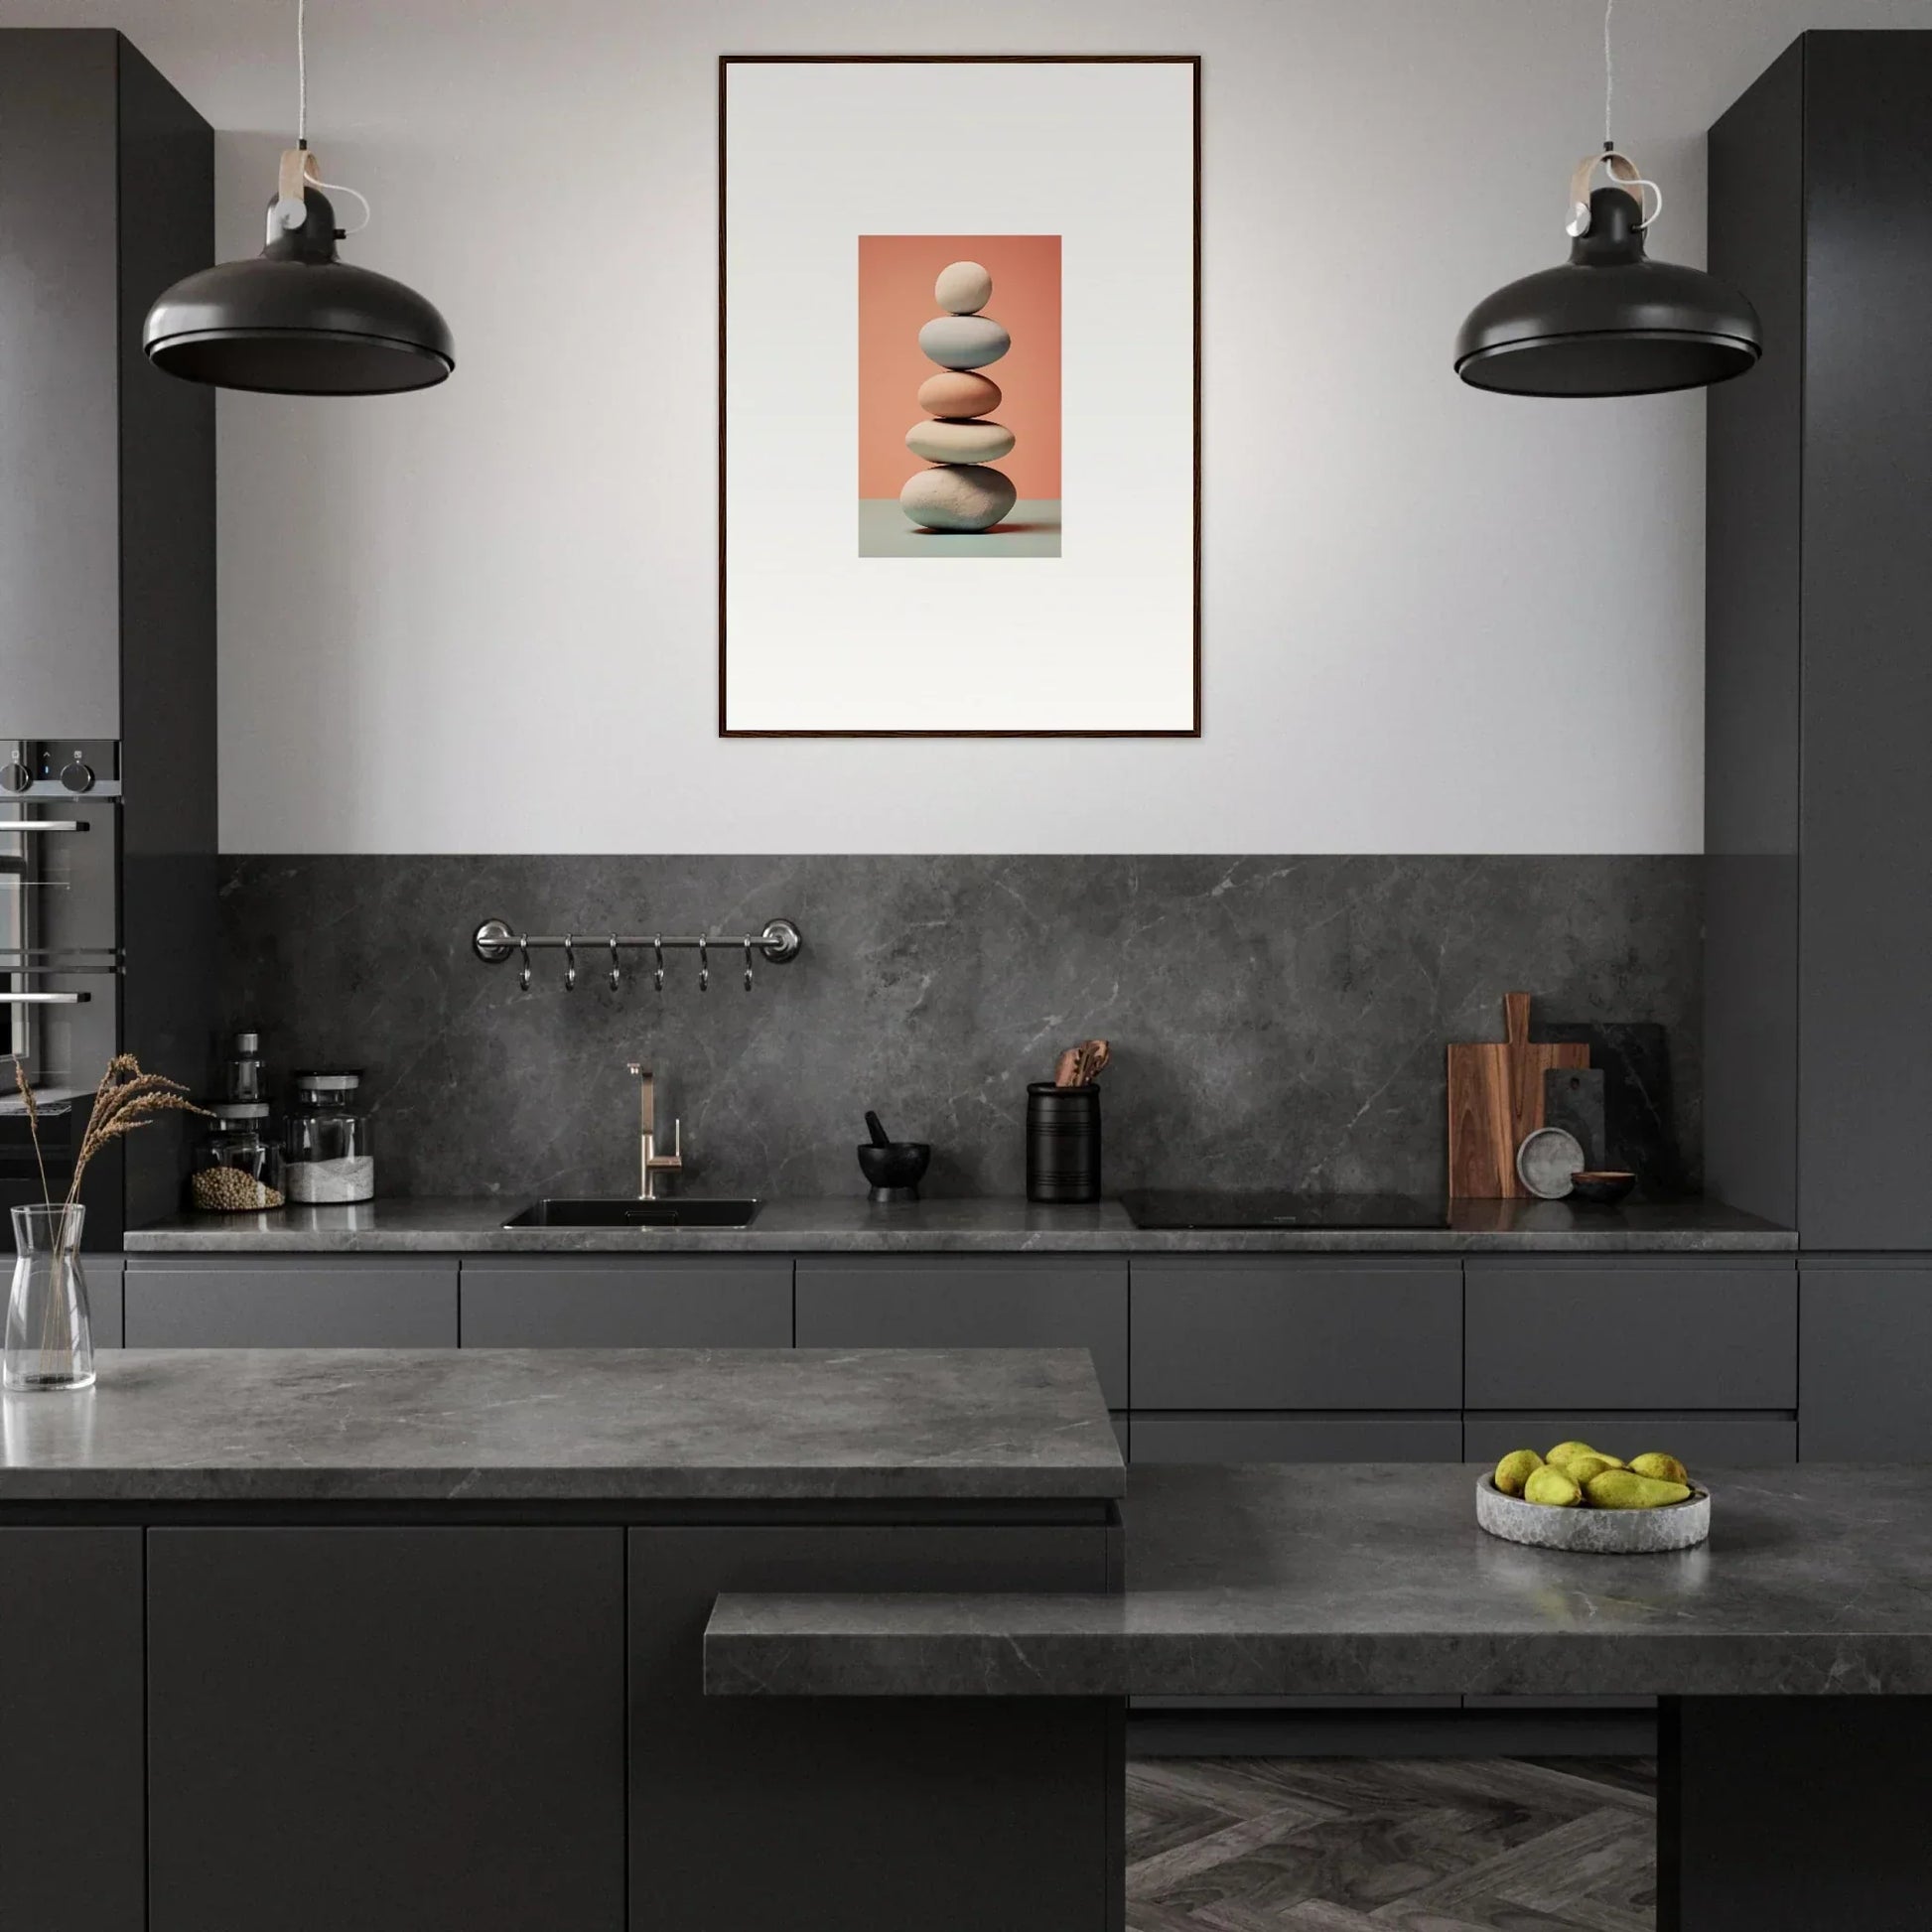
(1595, 1532)
(1545, 1161)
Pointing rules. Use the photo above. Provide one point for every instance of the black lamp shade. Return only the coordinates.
(1609, 321)
(298, 321)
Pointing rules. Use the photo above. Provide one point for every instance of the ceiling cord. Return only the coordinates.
(1609, 75)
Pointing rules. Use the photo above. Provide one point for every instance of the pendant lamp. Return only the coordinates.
(1609, 321)
(296, 320)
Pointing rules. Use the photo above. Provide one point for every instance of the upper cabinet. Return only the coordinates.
(107, 514)
(1819, 681)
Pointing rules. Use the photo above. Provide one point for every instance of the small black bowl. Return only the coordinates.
(1604, 1185)
(895, 1169)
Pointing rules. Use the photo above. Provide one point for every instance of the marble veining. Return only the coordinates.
(1374, 1580)
(1276, 1022)
(963, 1226)
(565, 1425)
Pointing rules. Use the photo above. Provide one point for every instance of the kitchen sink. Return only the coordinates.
(620, 1213)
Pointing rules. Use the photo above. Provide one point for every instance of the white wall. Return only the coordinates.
(483, 619)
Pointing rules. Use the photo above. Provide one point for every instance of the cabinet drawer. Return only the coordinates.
(945, 1302)
(1630, 1334)
(1297, 1439)
(1721, 1440)
(1866, 1374)
(1271, 1333)
(699, 1302)
(272, 1302)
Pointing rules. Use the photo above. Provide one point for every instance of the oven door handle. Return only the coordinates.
(44, 998)
(43, 825)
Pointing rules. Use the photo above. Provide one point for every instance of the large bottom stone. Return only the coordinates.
(958, 497)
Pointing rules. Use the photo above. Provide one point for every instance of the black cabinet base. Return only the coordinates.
(1794, 1814)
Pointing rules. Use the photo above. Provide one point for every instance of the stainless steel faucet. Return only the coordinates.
(651, 1162)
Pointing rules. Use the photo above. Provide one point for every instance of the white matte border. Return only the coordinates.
(817, 639)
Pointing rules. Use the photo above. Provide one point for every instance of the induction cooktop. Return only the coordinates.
(1158, 1208)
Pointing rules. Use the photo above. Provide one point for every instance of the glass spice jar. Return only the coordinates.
(330, 1155)
(238, 1164)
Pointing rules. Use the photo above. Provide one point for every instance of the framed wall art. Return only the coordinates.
(959, 385)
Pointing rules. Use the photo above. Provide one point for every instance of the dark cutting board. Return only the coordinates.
(1639, 1113)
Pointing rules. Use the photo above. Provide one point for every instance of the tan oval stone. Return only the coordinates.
(963, 288)
(958, 497)
(959, 392)
(952, 441)
(964, 342)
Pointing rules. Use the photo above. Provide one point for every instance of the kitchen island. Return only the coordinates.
(1792, 1652)
(413, 1639)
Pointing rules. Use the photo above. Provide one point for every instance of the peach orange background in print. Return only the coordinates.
(895, 300)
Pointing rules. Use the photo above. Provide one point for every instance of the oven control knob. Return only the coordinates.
(15, 776)
(77, 777)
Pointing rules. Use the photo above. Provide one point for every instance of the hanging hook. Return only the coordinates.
(523, 946)
(617, 970)
(569, 962)
(704, 966)
(657, 976)
(748, 965)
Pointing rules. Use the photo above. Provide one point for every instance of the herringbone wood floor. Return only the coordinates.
(1376, 1845)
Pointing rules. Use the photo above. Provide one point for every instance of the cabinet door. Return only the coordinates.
(103, 1273)
(60, 421)
(277, 1301)
(1715, 1439)
(71, 1821)
(396, 1729)
(1635, 1332)
(1866, 1360)
(1297, 1439)
(572, 1302)
(953, 1302)
(834, 1814)
(1271, 1333)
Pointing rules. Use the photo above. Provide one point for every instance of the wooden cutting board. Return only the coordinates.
(1496, 1099)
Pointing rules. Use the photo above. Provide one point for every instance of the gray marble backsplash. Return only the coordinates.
(1276, 1022)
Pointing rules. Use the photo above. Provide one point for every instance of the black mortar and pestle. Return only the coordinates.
(893, 1166)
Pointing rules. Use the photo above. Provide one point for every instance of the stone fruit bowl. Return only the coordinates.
(1599, 1532)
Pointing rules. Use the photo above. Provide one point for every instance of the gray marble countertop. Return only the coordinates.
(558, 1424)
(965, 1226)
(1374, 1579)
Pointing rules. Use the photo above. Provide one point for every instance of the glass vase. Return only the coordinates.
(50, 1338)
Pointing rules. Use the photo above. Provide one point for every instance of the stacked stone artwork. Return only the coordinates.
(961, 490)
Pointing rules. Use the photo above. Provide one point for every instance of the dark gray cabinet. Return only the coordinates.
(1004, 1807)
(1546, 1332)
(399, 1729)
(1818, 1076)
(277, 1302)
(1273, 1332)
(960, 1302)
(616, 1301)
(1865, 1359)
(1704, 1439)
(1297, 1439)
(103, 1273)
(71, 1730)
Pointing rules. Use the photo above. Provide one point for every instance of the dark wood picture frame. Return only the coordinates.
(725, 62)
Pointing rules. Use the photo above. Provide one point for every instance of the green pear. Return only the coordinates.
(1564, 1450)
(1625, 1489)
(1551, 1487)
(1666, 1469)
(1515, 1469)
(1580, 1468)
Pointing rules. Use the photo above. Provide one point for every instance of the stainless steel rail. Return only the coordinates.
(496, 940)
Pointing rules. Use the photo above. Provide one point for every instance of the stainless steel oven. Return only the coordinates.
(60, 958)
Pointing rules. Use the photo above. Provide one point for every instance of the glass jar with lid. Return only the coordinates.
(237, 1165)
(329, 1157)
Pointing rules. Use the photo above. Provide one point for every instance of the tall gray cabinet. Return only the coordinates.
(1819, 717)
